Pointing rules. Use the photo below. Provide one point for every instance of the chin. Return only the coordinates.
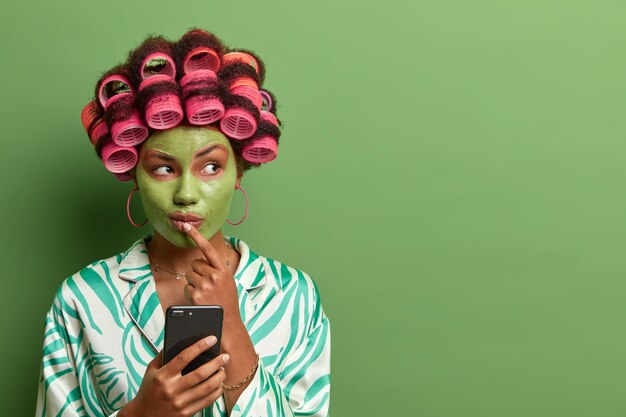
(185, 242)
(177, 238)
(181, 239)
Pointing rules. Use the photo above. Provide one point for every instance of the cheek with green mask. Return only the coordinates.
(186, 192)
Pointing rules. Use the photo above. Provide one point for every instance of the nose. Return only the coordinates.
(187, 191)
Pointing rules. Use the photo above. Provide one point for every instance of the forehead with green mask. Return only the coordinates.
(186, 174)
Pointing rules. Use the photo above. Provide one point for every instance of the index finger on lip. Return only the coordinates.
(206, 247)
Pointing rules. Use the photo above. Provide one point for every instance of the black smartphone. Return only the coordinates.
(185, 325)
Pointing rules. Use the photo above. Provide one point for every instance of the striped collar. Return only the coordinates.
(142, 302)
(135, 265)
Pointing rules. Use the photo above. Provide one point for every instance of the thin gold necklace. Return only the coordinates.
(182, 274)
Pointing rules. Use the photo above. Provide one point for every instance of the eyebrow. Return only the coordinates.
(206, 151)
(164, 156)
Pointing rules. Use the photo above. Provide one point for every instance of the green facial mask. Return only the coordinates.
(168, 186)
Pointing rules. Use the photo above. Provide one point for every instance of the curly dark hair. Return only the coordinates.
(228, 72)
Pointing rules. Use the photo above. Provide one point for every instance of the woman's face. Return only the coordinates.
(186, 174)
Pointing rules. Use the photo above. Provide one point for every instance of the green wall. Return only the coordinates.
(451, 173)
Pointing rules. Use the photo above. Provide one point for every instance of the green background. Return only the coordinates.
(451, 173)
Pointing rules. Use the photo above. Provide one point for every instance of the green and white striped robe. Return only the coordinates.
(106, 324)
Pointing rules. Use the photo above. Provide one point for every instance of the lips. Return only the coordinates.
(178, 219)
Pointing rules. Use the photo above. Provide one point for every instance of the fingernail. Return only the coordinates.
(226, 358)
(187, 227)
(210, 340)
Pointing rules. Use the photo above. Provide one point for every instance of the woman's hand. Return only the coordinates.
(165, 392)
(210, 281)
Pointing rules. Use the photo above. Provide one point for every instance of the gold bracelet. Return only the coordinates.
(246, 379)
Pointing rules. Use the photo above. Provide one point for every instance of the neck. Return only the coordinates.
(174, 258)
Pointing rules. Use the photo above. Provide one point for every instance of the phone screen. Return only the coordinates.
(185, 325)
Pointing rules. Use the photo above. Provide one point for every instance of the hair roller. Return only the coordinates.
(198, 50)
(270, 104)
(269, 117)
(246, 57)
(159, 99)
(238, 123)
(98, 131)
(116, 97)
(263, 146)
(200, 93)
(91, 112)
(93, 121)
(158, 63)
(153, 68)
(268, 100)
(152, 57)
(268, 109)
(120, 70)
(118, 159)
(242, 80)
(260, 150)
(236, 56)
(114, 85)
(240, 118)
(124, 121)
(201, 58)
(248, 88)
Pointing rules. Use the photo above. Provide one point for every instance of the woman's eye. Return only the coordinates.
(211, 168)
(163, 170)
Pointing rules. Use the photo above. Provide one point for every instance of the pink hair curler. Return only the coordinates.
(89, 114)
(201, 58)
(98, 131)
(158, 63)
(244, 81)
(248, 88)
(119, 159)
(202, 78)
(260, 150)
(201, 109)
(163, 111)
(269, 116)
(129, 130)
(268, 103)
(237, 123)
(113, 86)
(93, 122)
(244, 57)
(124, 176)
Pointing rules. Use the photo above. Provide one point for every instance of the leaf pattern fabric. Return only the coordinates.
(106, 324)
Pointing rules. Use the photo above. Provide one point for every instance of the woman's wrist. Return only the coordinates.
(237, 343)
(246, 379)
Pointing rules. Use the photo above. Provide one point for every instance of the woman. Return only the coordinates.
(104, 333)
